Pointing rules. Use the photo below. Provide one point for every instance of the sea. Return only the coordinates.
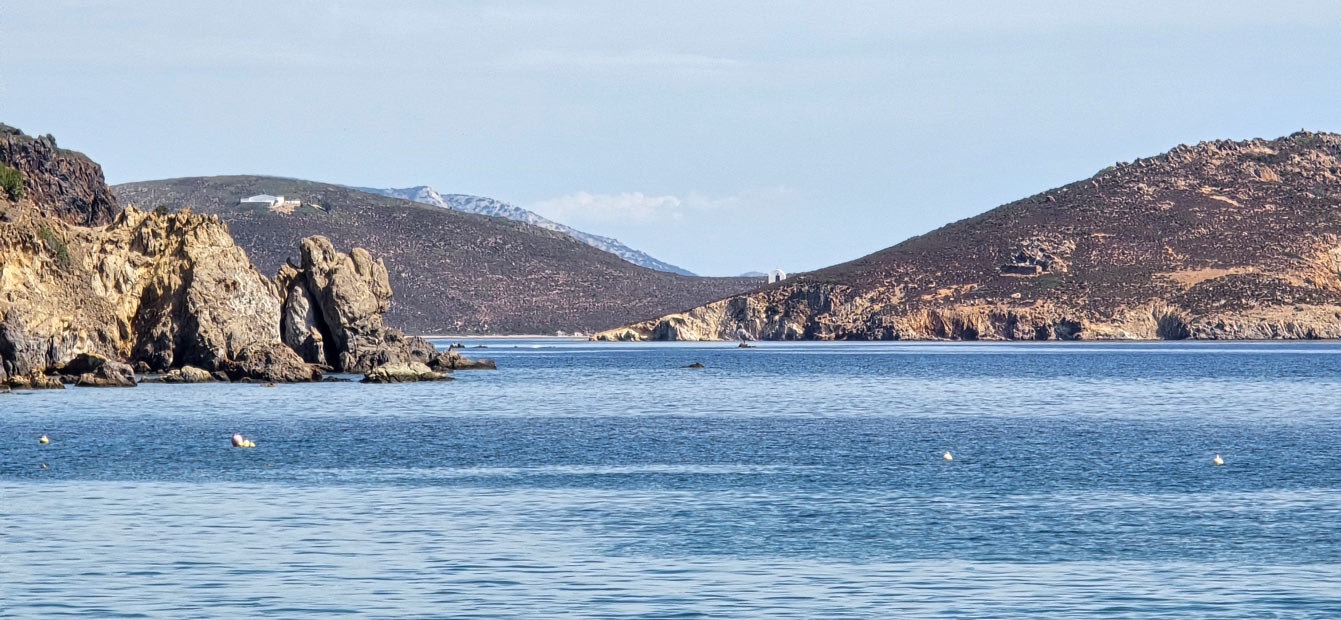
(788, 480)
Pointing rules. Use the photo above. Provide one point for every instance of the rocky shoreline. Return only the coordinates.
(92, 296)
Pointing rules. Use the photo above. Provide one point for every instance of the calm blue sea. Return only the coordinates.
(786, 481)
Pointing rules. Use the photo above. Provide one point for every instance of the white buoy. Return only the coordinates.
(1217, 460)
(43, 439)
(238, 441)
(947, 456)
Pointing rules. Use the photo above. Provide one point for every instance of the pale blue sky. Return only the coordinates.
(722, 137)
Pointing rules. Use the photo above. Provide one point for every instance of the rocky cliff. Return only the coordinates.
(167, 289)
(62, 183)
(1216, 240)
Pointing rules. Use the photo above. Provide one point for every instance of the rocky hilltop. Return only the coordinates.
(497, 208)
(86, 295)
(1216, 240)
(455, 272)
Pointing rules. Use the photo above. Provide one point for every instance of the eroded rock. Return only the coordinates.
(271, 362)
(109, 373)
(405, 372)
(185, 374)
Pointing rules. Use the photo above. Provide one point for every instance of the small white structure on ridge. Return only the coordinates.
(275, 203)
(777, 275)
(265, 199)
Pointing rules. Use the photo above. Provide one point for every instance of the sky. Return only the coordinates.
(722, 137)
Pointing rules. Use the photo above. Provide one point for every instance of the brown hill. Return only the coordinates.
(453, 272)
(1218, 240)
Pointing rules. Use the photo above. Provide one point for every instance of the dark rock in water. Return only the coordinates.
(336, 380)
(108, 374)
(479, 346)
(83, 363)
(270, 363)
(745, 345)
(403, 373)
(452, 360)
(480, 364)
(694, 365)
(34, 381)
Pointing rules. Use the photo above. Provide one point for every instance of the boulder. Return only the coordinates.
(452, 360)
(83, 363)
(108, 374)
(403, 373)
(187, 374)
(272, 362)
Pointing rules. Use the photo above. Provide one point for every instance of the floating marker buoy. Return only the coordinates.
(238, 441)
(947, 456)
(1217, 460)
(43, 439)
(44, 465)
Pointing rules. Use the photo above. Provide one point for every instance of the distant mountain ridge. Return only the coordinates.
(488, 206)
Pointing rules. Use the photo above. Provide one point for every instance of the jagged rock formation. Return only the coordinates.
(1216, 240)
(497, 208)
(165, 290)
(453, 272)
(333, 310)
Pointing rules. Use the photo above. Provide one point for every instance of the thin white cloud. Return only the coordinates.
(622, 61)
(640, 208)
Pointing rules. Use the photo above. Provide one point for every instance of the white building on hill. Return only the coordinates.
(275, 203)
(265, 199)
(777, 275)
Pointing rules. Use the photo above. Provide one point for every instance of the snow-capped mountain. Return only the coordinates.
(497, 208)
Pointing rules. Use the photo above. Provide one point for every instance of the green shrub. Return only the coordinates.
(54, 244)
(11, 180)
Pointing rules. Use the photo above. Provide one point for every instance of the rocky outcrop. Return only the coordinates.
(163, 290)
(1217, 240)
(333, 309)
(404, 372)
(63, 183)
(34, 381)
